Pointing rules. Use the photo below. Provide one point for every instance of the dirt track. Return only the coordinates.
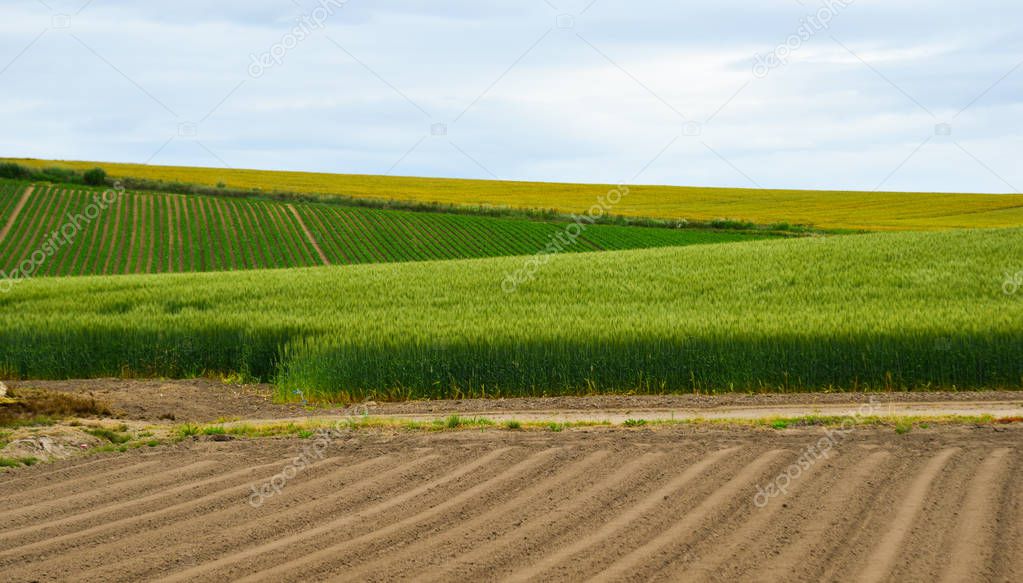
(664, 504)
(204, 401)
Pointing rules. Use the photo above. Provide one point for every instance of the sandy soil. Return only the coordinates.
(602, 504)
(204, 400)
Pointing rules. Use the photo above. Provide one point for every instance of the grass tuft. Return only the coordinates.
(111, 435)
(6, 462)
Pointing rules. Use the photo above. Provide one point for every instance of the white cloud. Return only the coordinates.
(561, 111)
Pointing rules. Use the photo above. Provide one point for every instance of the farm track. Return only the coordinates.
(15, 212)
(601, 505)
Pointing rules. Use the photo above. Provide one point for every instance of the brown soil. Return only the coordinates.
(194, 401)
(595, 504)
(205, 400)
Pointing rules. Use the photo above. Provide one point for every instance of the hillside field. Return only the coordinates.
(896, 311)
(876, 211)
(141, 232)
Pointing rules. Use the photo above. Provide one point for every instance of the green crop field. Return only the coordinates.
(896, 310)
(875, 211)
(160, 233)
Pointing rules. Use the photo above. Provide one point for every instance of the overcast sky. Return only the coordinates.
(891, 94)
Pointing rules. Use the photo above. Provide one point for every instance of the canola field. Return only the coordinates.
(872, 211)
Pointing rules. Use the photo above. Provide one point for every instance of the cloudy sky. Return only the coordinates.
(839, 94)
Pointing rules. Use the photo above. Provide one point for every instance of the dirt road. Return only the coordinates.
(205, 401)
(600, 504)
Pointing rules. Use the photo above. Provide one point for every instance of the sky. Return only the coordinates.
(813, 94)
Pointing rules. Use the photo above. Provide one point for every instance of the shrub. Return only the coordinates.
(95, 177)
(14, 171)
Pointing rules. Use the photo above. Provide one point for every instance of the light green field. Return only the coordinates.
(903, 310)
(879, 211)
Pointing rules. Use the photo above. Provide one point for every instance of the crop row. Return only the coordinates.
(161, 233)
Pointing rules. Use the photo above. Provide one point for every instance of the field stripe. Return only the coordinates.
(973, 546)
(24, 225)
(288, 234)
(70, 261)
(266, 259)
(109, 501)
(294, 237)
(90, 263)
(116, 525)
(131, 254)
(86, 240)
(25, 230)
(324, 235)
(309, 235)
(240, 527)
(492, 516)
(428, 232)
(811, 536)
(190, 243)
(181, 230)
(115, 233)
(335, 524)
(43, 495)
(152, 205)
(65, 206)
(272, 252)
(880, 562)
(373, 237)
(35, 228)
(228, 236)
(612, 482)
(279, 239)
(349, 236)
(17, 211)
(623, 520)
(242, 253)
(761, 520)
(360, 233)
(10, 194)
(10, 241)
(168, 213)
(320, 556)
(680, 530)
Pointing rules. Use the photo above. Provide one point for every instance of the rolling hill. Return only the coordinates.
(876, 211)
(880, 311)
(143, 232)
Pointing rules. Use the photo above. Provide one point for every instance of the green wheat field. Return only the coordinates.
(336, 302)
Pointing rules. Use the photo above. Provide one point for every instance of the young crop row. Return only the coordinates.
(878, 311)
(161, 233)
(61, 232)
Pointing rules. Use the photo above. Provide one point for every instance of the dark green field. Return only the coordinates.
(164, 233)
